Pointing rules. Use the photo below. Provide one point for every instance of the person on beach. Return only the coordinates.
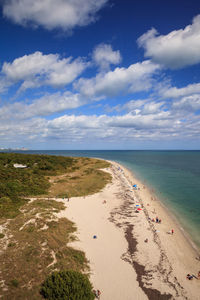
(98, 294)
(172, 231)
(190, 277)
(156, 219)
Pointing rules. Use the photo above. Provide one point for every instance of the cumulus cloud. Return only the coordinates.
(179, 48)
(135, 78)
(188, 104)
(104, 55)
(64, 14)
(144, 106)
(44, 106)
(174, 92)
(152, 122)
(141, 122)
(132, 105)
(39, 69)
(158, 125)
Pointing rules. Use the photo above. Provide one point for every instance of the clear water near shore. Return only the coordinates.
(173, 175)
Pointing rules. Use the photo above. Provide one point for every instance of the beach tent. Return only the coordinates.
(137, 204)
(139, 209)
(135, 185)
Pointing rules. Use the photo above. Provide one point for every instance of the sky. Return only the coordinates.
(100, 74)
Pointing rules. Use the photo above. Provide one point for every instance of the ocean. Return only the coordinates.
(174, 176)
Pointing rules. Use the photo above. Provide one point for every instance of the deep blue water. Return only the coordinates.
(174, 176)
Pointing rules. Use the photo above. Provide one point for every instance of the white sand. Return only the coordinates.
(114, 269)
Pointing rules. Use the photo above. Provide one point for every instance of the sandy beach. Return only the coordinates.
(124, 266)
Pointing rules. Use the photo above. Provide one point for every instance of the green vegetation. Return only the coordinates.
(44, 176)
(35, 241)
(17, 183)
(1, 235)
(67, 285)
(14, 282)
(38, 246)
(83, 179)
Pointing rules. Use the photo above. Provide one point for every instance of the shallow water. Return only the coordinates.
(174, 176)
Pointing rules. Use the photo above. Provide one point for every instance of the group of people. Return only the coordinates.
(190, 277)
(157, 220)
(65, 199)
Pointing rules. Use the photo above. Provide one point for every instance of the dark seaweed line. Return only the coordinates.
(163, 258)
(124, 211)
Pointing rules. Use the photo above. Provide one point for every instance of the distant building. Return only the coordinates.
(19, 166)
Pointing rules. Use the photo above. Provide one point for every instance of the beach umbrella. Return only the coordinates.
(139, 209)
(135, 185)
(137, 204)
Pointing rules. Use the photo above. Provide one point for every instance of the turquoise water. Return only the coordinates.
(174, 176)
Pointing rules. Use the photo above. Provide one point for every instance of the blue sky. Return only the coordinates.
(100, 74)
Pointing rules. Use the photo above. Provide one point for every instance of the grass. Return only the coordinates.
(14, 283)
(17, 184)
(46, 176)
(29, 252)
(85, 179)
(10, 209)
(38, 242)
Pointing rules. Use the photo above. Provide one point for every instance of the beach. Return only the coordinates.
(112, 232)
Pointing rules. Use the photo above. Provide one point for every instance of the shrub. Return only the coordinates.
(5, 201)
(14, 282)
(67, 285)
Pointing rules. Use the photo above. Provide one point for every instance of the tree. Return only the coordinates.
(67, 285)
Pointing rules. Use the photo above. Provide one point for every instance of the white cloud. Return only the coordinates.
(143, 106)
(141, 122)
(124, 127)
(179, 48)
(188, 104)
(44, 106)
(135, 78)
(38, 69)
(103, 55)
(50, 14)
(132, 105)
(155, 124)
(152, 107)
(52, 103)
(174, 92)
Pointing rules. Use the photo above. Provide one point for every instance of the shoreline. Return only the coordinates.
(167, 209)
(121, 263)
